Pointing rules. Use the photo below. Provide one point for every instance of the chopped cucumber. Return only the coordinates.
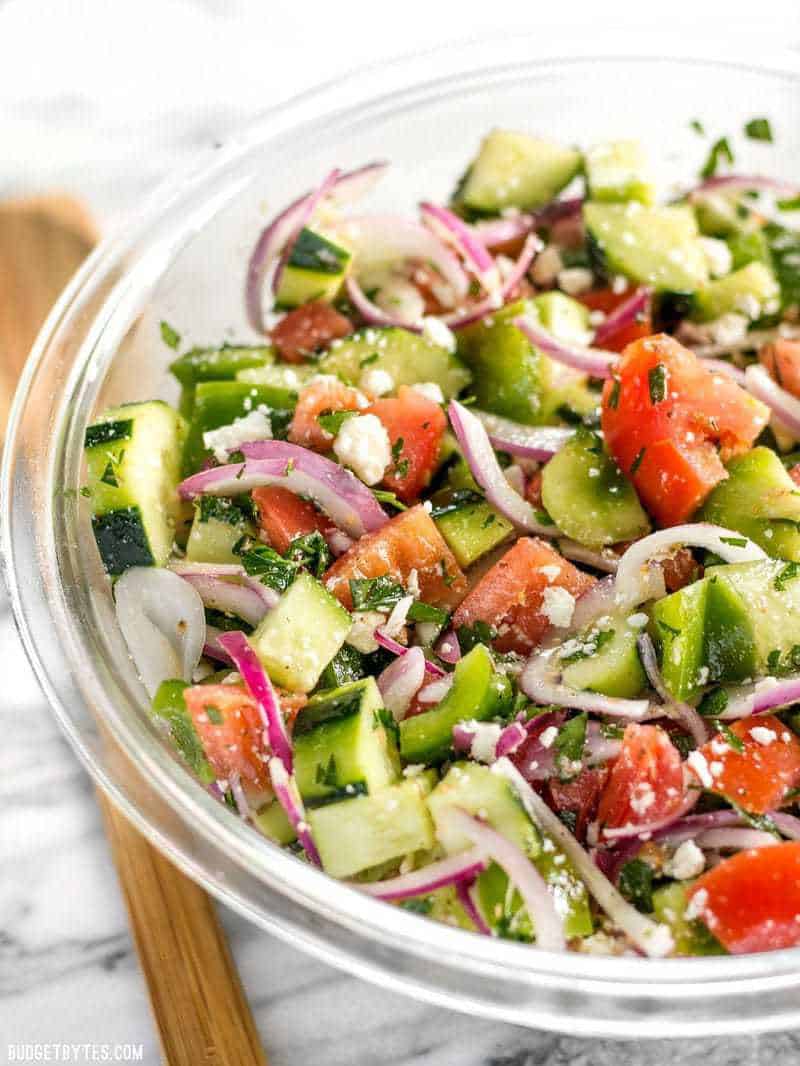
(678, 627)
(133, 462)
(655, 245)
(752, 291)
(562, 316)
(272, 821)
(516, 170)
(406, 357)
(215, 364)
(729, 644)
(356, 834)
(759, 500)
(616, 171)
(297, 639)
(691, 937)
(169, 706)
(724, 212)
(605, 659)
(315, 270)
(280, 375)
(473, 529)
(348, 664)
(217, 526)
(345, 744)
(587, 495)
(219, 403)
(479, 691)
(748, 248)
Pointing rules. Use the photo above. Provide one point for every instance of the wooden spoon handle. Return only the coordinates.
(200, 1008)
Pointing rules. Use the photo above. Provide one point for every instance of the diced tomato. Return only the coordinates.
(308, 328)
(680, 569)
(751, 902)
(607, 301)
(757, 778)
(231, 731)
(533, 490)
(409, 541)
(646, 780)
(579, 796)
(794, 474)
(415, 426)
(324, 394)
(291, 705)
(510, 596)
(663, 426)
(284, 516)
(781, 358)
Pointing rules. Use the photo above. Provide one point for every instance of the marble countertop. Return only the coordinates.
(101, 100)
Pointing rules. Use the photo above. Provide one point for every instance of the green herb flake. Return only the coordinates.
(214, 714)
(787, 574)
(792, 204)
(657, 381)
(759, 129)
(368, 360)
(570, 742)
(735, 542)
(375, 593)
(478, 633)
(613, 396)
(757, 821)
(637, 462)
(426, 612)
(447, 577)
(382, 718)
(720, 150)
(389, 498)
(332, 421)
(734, 742)
(271, 569)
(636, 884)
(420, 905)
(170, 336)
(714, 703)
(698, 127)
(774, 661)
(311, 552)
(86, 492)
(397, 448)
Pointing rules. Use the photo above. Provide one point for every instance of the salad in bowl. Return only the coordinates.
(476, 581)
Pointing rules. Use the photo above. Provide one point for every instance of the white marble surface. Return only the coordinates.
(102, 98)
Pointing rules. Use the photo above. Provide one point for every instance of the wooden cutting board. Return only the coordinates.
(198, 1003)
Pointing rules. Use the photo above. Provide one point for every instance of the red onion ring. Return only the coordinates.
(401, 680)
(466, 897)
(212, 649)
(239, 797)
(721, 366)
(788, 824)
(765, 695)
(785, 406)
(735, 839)
(462, 867)
(303, 216)
(396, 648)
(493, 231)
(448, 648)
(237, 599)
(604, 560)
(453, 231)
(734, 182)
(371, 313)
(680, 712)
(624, 314)
(645, 830)
(512, 738)
(540, 682)
(287, 794)
(466, 316)
(529, 442)
(591, 361)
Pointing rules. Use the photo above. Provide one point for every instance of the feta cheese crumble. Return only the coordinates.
(430, 390)
(376, 381)
(697, 762)
(363, 444)
(558, 606)
(688, 861)
(575, 280)
(251, 427)
(484, 740)
(437, 332)
(762, 735)
(362, 632)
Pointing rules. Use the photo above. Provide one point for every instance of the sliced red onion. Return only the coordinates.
(260, 687)
(486, 470)
(604, 560)
(540, 681)
(493, 231)
(735, 839)
(521, 873)
(600, 748)
(736, 182)
(396, 648)
(529, 442)
(212, 649)
(779, 401)
(680, 712)
(645, 830)
(163, 622)
(540, 761)
(463, 737)
(466, 316)
(338, 541)
(597, 601)
(515, 476)
(627, 313)
(401, 680)
(768, 694)
(304, 215)
(376, 240)
(512, 738)
(239, 797)
(466, 897)
(436, 691)
(462, 867)
(648, 936)
(632, 569)
(234, 573)
(557, 211)
(220, 594)
(288, 795)
(453, 231)
(722, 366)
(448, 648)
(689, 827)
(336, 491)
(591, 361)
(355, 184)
(788, 824)
(375, 315)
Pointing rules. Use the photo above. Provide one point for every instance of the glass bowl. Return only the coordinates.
(183, 260)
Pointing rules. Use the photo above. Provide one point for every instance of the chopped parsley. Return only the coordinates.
(730, 737)
(478, 633)
(311, 552)
(420, 905)
(657, 381)
(332, 421)
(735, 542)
(720, 150)
(698, 127)
(271, 569)
(389, 498)
(455, 501)
(792, 204)
(368, 360)
(426, 612)
(636, 884)
(170, 336)
(214, 714)
(787, 574)
(570, 742)
(757, 821)
(637, 462)
(375, 593)
(759, 129)
(714, 703)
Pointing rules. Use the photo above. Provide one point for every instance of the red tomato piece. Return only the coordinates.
(409, 541)
(284, 516)
(607, 301)
(533, 490)
(646, 780)
(579, 796)
(782, 359)
(231, 731)
(415, 426)
(510, 596)
(751, 902)
(308, 328)
(757, 778)
(664, 417)
(794, 474)
(323, 395)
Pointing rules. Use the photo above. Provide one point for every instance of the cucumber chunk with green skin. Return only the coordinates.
(345, 744)
(516, 170)
(759, 500)
(751, 291)
(605, 659)
(407, 358)
(730, 650)
(472, 530)
(769, 594)
(479, 692)
(562, 316)
(721, 213)
(133, 470)
(169, 706)
(587, 495)
(348, 664)
(315, 270)
(678, 629)
(219, 403)
(215, 364)
(748, 248)
(218, 525)
(356, 834)
(273, 822)
(690, 937)
(280, 375)
(656, 246)
(616, 171)
(297, 639)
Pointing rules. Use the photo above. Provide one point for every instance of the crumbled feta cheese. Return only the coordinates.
(659, 941)
(717, 255)
(396, 621)
(363, 444)
(642, 797)
(414, 769)
(412, 583)
(697, 762)
(716, 768)
(484, 740)
(762, 735)
(597, 318)
(548, 735)
(550, 571)
(749, 305)
(619, 284)
(696, 905)
(702, 676)
(430, 390)
(427, 506)
(546, 266)
(575, 280)
(638, 620)
(251, 427)
(728, 329)
(688, 861)
(438, 332)
(362, 632)
(558, 606)
(376, 381)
